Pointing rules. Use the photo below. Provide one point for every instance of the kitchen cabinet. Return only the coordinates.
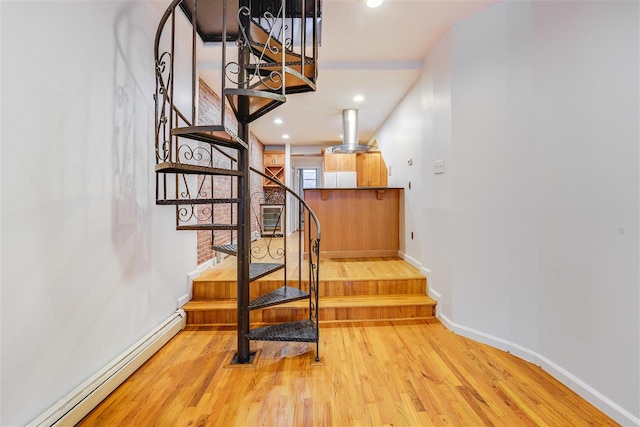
(273, 158)
(371, 170)
(273, 164)
(339, 162)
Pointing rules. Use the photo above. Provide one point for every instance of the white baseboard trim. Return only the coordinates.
(599, 400)
(191, 276)
(185, 298)
(205, 266)
(436, 296)
(583, 389)
(76, 405)
(410, 260)
(427, 274)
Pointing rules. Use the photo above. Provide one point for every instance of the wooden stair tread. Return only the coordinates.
(259, 39)
(211, 134)
(295, 82)
(325, 302)
(260, 101)
(353, 270)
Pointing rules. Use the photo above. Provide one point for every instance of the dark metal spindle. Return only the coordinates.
(194, 63)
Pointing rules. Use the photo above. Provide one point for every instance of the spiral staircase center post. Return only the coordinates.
(244, 207)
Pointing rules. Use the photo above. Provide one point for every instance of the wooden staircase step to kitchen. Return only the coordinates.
(332, 308)
(209, 289)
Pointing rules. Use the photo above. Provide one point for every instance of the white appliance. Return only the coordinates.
(340, 180)
(330, 180)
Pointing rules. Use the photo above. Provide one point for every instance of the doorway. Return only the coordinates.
(307, 177)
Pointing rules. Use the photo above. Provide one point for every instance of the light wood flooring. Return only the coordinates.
(402, 373)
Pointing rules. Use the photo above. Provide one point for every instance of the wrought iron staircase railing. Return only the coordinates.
(203, 168)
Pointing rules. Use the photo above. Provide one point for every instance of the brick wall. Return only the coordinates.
(209, 113)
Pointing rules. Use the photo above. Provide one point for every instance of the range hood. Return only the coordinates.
(349, 135)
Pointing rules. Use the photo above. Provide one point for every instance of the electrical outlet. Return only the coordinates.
(438, 167)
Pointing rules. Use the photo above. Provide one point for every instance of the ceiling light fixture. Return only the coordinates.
(285, 136)
(358, 98)
(374, 3)
(278, 121)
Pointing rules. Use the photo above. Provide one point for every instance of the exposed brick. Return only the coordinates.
(209, 109)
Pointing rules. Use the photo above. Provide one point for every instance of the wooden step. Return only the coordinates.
(295, 81)
(220, 289)
(211, 134)
(260, 100)
(345, 308)
(273, 51)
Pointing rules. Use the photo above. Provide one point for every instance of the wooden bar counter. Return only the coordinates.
(356, 222)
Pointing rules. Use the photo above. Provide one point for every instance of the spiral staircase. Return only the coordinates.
(268, 50)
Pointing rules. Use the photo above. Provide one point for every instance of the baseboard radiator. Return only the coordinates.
(69, 410)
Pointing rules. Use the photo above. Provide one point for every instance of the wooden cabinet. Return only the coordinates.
(339, 162)
(273, 163)
(273, 158)
(371, 170)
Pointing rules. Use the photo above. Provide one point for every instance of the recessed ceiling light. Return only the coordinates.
(278, 121)
(358, 98)
(374, 3)
(285, 136)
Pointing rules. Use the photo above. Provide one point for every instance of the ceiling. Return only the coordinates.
(377, 53)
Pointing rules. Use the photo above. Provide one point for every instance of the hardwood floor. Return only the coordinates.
(413, 373)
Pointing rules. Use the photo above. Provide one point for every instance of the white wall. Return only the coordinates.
(587, 138)
(401, 135)
(494, 156)
(436, 209)
(531, 236)
(89, 263)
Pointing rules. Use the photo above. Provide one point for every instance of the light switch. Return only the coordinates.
(438, 167)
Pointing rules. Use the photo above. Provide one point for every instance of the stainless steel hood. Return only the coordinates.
(349, 135)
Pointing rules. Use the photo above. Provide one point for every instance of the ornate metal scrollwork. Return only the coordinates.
(191, 212)
(163, 80)
(273, 79)
(199, 154)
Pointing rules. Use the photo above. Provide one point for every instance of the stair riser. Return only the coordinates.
(224, 290)
(288, 314)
